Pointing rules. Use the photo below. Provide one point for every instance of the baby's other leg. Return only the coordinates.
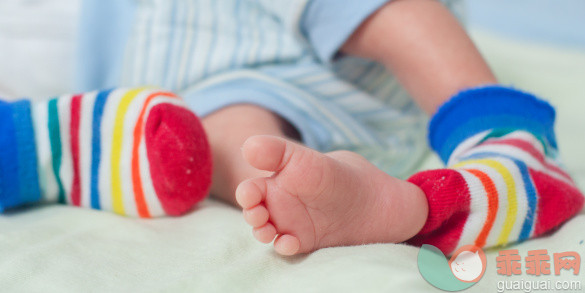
(227, 129)
(135, 152)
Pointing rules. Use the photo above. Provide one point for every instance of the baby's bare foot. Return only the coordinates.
(317, 200)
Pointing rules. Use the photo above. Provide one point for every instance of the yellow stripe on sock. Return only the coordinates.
(117, 202)
(511, 194)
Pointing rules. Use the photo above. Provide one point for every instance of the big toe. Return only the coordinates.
(267, 152)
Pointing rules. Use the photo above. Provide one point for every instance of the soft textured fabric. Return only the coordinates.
(175, 44)
(327, 24)
(136, 152)
(104, 26)
(505, 182)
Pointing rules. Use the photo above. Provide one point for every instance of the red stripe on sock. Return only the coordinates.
(74, 132)
(557, 201)
(141, 205)
(530, 149)
(492, 195)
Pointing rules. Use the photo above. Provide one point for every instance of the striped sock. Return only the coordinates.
(136, 152)
(504, 183)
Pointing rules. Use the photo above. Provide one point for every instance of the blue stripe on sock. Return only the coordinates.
(475, 125)
(475, 110)
(532, 199)
(28, 177)
(96, 152)
(528, 186)
(8, 159)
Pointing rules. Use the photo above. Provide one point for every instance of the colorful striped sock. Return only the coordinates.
(136, 152)
(505, 183)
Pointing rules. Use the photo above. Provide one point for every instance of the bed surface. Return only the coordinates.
(64, 249)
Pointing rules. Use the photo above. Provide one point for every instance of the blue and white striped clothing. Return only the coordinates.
(279, 54)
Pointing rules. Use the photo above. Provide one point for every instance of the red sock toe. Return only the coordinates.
(556, 197)
(179, 157)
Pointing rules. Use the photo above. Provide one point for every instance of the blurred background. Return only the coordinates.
(40, 35)
(556, 22)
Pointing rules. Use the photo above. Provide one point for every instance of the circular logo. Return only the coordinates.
(463, 270)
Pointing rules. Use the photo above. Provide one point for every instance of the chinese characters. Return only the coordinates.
(537, 262)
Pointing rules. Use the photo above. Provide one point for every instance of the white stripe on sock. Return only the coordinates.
(48, 182)
(520, 155)
(86, 146)
(521, 200)
(150, 196)
(500, 185)
(478, 212)
(66, 172)
(464, 146)
(128, 195)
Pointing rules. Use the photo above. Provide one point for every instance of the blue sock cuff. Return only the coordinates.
(19, 182)
(9, 187)
(472, 111)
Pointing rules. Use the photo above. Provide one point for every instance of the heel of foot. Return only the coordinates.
(179, 157)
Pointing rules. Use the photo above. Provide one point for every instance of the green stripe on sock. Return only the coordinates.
(55, 137)
(504, 131)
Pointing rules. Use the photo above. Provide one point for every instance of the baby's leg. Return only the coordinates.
(227, 129)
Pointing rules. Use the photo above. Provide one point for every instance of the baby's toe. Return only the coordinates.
(267, 152)
(256, 216)
(265, 234)
(287, 244)
(251, 192)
